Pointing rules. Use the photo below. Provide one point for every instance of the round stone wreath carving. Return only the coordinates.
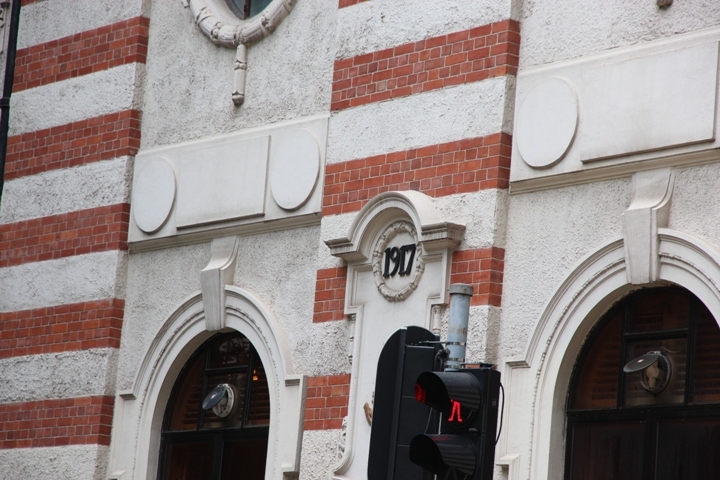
(377, 262)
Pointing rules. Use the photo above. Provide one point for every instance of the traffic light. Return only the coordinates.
(468, 402)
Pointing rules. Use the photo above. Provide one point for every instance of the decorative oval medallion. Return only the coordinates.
(294, 168)
(153, 194)
(397, 261)
(546, 123)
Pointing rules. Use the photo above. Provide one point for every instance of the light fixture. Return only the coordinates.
(221, 400)
(655, 369)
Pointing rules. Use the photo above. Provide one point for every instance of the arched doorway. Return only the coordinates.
(621, 428)
(231, 440)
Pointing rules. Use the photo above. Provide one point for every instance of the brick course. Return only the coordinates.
(330, 294)
(75, 233)
(57, 422)
(483, 269)
(348, 3)
(462, 166)
(327, 402)
(78, 143)
(83, 53)
(61, 328)
(437, 62)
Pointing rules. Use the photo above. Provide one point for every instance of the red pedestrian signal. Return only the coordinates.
(455, 412)
(468, 400)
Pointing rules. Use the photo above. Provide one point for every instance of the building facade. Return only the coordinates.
(256, 195)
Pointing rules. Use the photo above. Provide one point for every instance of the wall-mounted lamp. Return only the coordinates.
(654, 368)
(221, 400)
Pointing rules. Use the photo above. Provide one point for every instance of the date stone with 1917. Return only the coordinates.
(397, 261)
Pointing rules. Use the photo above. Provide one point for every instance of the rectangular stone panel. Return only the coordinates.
(220, 182)
(649, 103)
(644, 106)
(248, 181)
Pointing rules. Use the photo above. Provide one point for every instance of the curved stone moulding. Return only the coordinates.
(140, 409)
(238, 34)
(537, 381)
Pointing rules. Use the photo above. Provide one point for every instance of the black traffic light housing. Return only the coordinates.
(468, 402)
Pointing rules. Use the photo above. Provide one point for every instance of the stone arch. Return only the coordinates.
(140, 411)
(592, 288)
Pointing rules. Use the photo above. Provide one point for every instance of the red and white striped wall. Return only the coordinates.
(74, 130)
(420, 101)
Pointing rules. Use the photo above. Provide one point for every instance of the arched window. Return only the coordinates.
(660, 422)
(229, 441)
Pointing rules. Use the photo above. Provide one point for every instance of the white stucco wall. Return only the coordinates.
(278, 267)
(189, 80)
(694, 206)
(74, 461)
(377, 25)
(42, 22)
(71, 374)
(319, 450)
(54, 192)
(428, 118)
(549, 233)
(157, 282)
(79, 98)
(94, 276)
(565, 29)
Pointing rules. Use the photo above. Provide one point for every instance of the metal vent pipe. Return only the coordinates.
(460, 295)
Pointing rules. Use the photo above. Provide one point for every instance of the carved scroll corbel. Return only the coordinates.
(648, 211)
(238, 95)
(237, 33)
(213, 278)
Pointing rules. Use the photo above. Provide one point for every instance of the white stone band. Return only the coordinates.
(438, 116)
(67, 280)
(371, 26)
(87, 96)
(73, 374)
(61, 18)
(72, 461)
(66, 190)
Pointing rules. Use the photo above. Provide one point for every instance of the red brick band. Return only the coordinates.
(463, 166)
(483, 269)
(61, 328)
(83, 53)
(349, 3)
(78, 143)
(75, 233)
(453, 59)
(327, 402)
(330, 294)
(52, 423)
